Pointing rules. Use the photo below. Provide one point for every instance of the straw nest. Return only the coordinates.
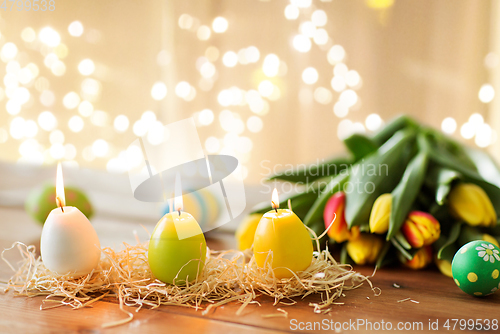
(228, 276)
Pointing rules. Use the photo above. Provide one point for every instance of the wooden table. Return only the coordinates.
(435, 297)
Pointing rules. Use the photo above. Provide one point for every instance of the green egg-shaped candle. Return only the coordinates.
(177, 249)
(41, 201)
(476, 268)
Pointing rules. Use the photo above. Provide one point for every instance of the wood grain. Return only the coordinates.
(437, 295)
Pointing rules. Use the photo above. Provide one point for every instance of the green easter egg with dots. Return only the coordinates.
(476, 268)
(42, 200)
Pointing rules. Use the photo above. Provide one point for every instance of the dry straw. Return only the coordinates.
(228, 276)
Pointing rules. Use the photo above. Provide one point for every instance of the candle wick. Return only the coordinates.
(179, 212)
(59, 202)
(275, 206)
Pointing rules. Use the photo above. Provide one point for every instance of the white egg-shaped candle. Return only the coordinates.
(69, 244)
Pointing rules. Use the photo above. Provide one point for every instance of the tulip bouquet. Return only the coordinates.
(407, 194)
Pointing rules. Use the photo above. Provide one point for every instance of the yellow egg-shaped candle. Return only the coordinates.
(174, 258)
(282, 239)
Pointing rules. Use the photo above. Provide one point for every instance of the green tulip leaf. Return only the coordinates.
(343, 254)
(444, 178)
(442, 142)
(317, 208)
(314, 171)
(301, 208)
(485, 165)
(364, 228)
(452, 238)
(382, 256)
(449, 253)
(442, 192)
(405, 253)
(298, 200)
(406, 192)
(360, 146)
(367, 182)
(439, 153)
(402, 240)
(469, 233)
(396, 124)
(302, 201)
(446, 159)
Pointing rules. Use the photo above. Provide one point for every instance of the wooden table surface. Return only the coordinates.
(435, 297)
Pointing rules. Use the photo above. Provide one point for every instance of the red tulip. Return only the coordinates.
(421, 229)
(420, 260)
(335, 209)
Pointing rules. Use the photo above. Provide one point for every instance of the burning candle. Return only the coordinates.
(177, 249)
(69, 244)
(282, 241)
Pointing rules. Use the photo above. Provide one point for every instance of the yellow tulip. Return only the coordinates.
(470, 203)
(444, 267)
(489, 238)
(420, 260)
(381, 212)
(365, 248)
(246, 231)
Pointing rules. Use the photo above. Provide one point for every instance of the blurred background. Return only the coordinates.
(280, 82)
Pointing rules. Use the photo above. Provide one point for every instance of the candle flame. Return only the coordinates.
(275, 200)
(60, 198)
(178, 194)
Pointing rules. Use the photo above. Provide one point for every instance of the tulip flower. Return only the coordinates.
(365, 248)
(470, 203)
(381, 212)
(444, 267)
(489, 238)
(470, 233)
(421, 229)
(420, 260)
(334, 208)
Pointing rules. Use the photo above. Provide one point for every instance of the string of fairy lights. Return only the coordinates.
(24, 87)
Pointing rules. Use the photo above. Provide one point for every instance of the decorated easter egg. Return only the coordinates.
(476, 268)
(41, 201)
(202, 204)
